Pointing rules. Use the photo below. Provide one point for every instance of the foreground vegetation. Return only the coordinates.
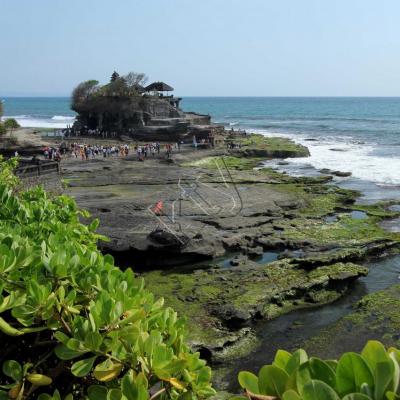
(72, 325)
(372, 375)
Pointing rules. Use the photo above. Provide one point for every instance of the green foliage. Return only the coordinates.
(11, 123)
(3, 129)
(72, 325)
(372, 375)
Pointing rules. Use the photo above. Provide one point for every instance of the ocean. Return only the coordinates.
(359, 135)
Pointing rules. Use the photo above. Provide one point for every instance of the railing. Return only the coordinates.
(38, 169)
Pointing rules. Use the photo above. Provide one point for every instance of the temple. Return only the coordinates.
(126, 108)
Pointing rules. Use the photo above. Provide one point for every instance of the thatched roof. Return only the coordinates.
(159, 87)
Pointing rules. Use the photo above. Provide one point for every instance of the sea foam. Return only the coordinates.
(55, 122)
(345, 154)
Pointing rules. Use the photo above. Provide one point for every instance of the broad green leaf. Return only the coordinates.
(396, 373)
(352, 371)
(318, 390)
(272, 380)
(298, 357)
(392, 396)
(107, 370)
(356, 396)
(83, 367)
(65, 353)
(97, 392)
(114, 394)
(291, 395)
(12, 369)
(281, 359)
(315, 369)
(383, 378)
(249, 381)
(373, 353)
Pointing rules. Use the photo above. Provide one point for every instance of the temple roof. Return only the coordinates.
(159, 87)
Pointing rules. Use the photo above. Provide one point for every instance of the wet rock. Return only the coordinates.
(341, 173)
(254, 252)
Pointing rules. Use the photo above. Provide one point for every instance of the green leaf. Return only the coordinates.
(12, 369)
(97, 392)
(315, 369)
(272, 380)
(318, 390)
(383, 378)
(107, 371)
(298, 357)
(291, 395)
(83, 367)
(356, 396)
(65, 353)
(281, 359)
(352, 371)
(373, 353)
(392, 396)
(114, 394)
(249, 381)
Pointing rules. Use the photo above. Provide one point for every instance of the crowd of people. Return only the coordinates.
(152, 149)
(89, 151)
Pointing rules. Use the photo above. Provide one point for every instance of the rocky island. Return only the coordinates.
(125, 107)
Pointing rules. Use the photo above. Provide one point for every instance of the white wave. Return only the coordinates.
(63, 118)
(347, 156)
(233, 123)
(27, 121)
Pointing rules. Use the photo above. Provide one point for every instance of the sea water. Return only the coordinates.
(358, 135)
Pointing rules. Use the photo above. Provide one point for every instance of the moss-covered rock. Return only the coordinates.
(375, 316)
(257, 145)
(221, 303)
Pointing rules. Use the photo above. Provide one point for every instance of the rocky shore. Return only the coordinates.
(234, 243)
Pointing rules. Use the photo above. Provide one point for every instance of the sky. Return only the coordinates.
(203, 48)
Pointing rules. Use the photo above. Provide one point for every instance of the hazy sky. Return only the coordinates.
(204, 47)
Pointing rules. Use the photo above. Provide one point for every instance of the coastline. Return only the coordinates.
(283, 217)
(297, 243)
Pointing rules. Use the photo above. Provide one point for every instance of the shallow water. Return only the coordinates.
(358, 215)
(291, 330)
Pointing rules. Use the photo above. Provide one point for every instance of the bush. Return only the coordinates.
(72, 325)
(3, 129)
(10, 124)
(372, 375)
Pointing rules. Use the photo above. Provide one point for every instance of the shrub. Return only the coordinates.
(372, 375)
(3, 129)
(73, 325)
(11, 123)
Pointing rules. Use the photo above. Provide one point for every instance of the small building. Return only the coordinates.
(161, 87)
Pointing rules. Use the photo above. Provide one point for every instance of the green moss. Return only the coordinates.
(238, 163)
(345, 232)
(376, 316)
(276, 288)
(268, 143)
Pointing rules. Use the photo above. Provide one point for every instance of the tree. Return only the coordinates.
(11, 124)
(114, 76)
(133, 79)
(2, 127)
(83, 92)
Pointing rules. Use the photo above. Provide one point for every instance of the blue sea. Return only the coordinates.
(359, 135)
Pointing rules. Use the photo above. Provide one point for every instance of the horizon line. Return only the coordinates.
(223, 96)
